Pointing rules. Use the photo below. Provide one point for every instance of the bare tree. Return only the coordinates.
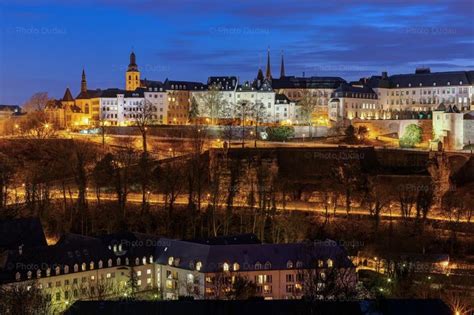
(212, 103)
(307, 105)
(24, 298)
(144, 118)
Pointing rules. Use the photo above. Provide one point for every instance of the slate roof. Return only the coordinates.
(292, 82)
(346, 90)
(89, 94)
(10, 108)
(183, 85)
(68, 96)
(226, 83)
(426, 78)
(25, 231)
(187, 254)
(282, 99)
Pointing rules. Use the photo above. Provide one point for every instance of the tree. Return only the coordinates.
(307, 105)
(280, 133)
(24, 298)
(7, 172)
(242, 289)
(143, 120)
(212, 102)
(350, 136)
(193, 110)
(411, 137)
(37, 102)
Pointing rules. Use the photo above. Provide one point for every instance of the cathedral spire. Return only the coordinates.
(83, 82)
(133, 62)
(268, 75)
(282, 69)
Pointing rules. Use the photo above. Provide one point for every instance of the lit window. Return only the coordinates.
(236, 267)
(225, 267)
(289, 264)
(198, 266)
(258, 265)
(330, 263)
(268, 265)
(148, 271)
(139, 273)
(170, 260)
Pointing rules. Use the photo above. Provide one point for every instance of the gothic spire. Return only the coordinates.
(268, 75)
(83, 82)
(282, 69)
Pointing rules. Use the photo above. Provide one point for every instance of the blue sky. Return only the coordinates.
(45, 44)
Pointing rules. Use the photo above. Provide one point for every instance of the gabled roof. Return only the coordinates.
(26, 231)
(67, 96)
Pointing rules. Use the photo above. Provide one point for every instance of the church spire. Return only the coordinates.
(83, 82)
(282, 69)
(133, 62)
(268, 75)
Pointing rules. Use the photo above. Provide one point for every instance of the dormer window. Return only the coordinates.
(421, 84)
(330, 263)
(198, 266)
(236, 267)
(101, 264)
(225, 267)
(398, 85)
(268, 265)
(66, 269)
(299, 264)
(449, 83)
(434, 83)
(91, 265)
(460, 82)
(38, 273)
(76, 267)
(170, 260)
(289, 264)
(258, 266)
(17, 276)
(409, 84)
(109, 263)
(57, 270)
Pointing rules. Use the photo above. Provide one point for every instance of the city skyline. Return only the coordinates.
(192, 42)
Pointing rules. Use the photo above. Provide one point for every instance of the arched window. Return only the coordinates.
(236, 267)
(17, 276)
(57, 270)
(76, 268)
(258, 266)
(225, 267)
(127, 261)
(48, 272)
(100, 264)
(83, 267)
(28, 274)
(330, 263)
(170, 260)
(144, 260)
(119, 261)
(268, 265)
(198, 266)
(66, 269)
(38, 273)
(137, 261)
(91, 265)
(299, 264)
(130, 77)
(320, 263)
(289, 264)
(109, 262)
(151, 259)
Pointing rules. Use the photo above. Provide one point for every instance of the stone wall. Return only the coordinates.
(393, 126)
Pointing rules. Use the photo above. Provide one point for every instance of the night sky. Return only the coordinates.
(45, 44)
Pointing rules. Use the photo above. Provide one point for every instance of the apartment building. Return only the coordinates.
(279, 271)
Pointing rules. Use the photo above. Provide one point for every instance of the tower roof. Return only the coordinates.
(133, 63)
(268, 74)
(282, 69)
(67, 96)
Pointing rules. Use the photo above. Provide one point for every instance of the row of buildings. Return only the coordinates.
(120, 265)
(278, 100)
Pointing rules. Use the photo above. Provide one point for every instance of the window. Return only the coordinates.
(17, 276)
(198, 266)
(139, 273)
(148, 271)
(76, 268)
(66, 269)
(290, 278)
(299, 264)
(225, 267)
(109, 262)
(330, 263)
(170, 260)
(236, 267)
(101, 264)
(258, 265)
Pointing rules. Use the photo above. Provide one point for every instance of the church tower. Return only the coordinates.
(268, 74)
(83, 82)
(282, 68)
(132, 76)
